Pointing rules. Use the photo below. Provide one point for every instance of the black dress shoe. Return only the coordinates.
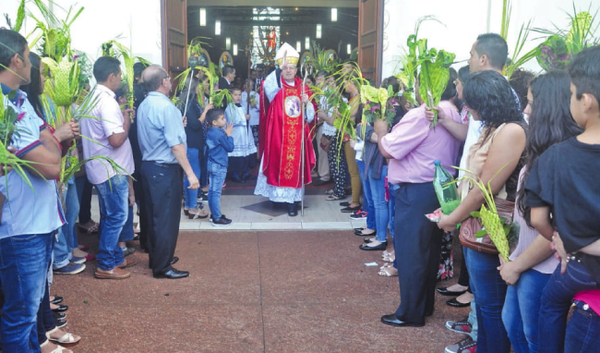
(173, 274)
(392, 320)
(455, 303)
(57, 300)
(346, 204)
(61, 308)
(445, 291)
(292, 210)
(174, 261)
(366, 247)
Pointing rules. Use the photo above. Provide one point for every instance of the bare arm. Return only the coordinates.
(540, 220)
(539, 250)
(381, 129)
(116, 140)
(592, 249)
(457, 130)
(48, 155)
(180, 154)
(502, 159)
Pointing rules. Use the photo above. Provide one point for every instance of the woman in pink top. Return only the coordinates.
(531, 265)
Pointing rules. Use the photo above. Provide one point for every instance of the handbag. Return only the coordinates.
(472, 225)
(324, 143)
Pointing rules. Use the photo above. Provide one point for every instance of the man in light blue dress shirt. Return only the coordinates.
(163, 145)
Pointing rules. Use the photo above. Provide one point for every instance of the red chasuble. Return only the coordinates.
(281, 132)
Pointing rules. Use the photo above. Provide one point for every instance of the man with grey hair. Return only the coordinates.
(163, 145)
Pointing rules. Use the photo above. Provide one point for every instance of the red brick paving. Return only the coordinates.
(250, 291)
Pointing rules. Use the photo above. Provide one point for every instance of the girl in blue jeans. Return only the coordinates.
(531, 263)
(563, 191)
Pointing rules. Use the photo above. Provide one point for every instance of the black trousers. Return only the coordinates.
(140, 197)
(85, 201)
(417, 244)
(162, 185)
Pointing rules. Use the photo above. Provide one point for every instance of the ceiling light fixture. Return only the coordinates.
(203, 17)
(217, 28)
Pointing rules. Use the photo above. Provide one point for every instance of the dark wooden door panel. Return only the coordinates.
(370, 38)
(174, 19)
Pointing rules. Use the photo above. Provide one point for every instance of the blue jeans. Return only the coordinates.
(522, 309)
(490, 291)
(378, 200)
(216, 175)
(392, 207)
(583, 330)
(24, 263)
(113, 197)
(191, 196)
(556, 300)
(67, 236)
(367, 199)
(473, 320)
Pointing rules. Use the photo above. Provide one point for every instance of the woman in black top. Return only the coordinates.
(195, 133)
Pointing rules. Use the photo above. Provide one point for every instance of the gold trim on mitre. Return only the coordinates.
(291, 55)
(293, 60)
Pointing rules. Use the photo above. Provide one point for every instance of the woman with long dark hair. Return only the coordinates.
(194, 132)
(532, 263)
(494, 159)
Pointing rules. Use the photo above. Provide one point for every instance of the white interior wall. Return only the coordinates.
(131, 22)
(463, 20)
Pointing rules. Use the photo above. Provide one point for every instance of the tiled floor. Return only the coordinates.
(257, 213)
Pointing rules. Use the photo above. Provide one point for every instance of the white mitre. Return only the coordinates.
(292, 56)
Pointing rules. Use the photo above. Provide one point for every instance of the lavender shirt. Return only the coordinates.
(110, 122)
(527, 236)
(415, 146)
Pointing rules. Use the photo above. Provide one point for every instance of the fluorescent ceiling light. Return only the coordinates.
(217, 28)
(203, 17)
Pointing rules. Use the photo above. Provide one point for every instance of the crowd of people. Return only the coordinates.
(532, 139)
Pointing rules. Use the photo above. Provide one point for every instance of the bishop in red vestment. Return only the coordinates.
(285, 116)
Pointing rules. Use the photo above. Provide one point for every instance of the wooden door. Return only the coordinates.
(174, 35)
(370, 38)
